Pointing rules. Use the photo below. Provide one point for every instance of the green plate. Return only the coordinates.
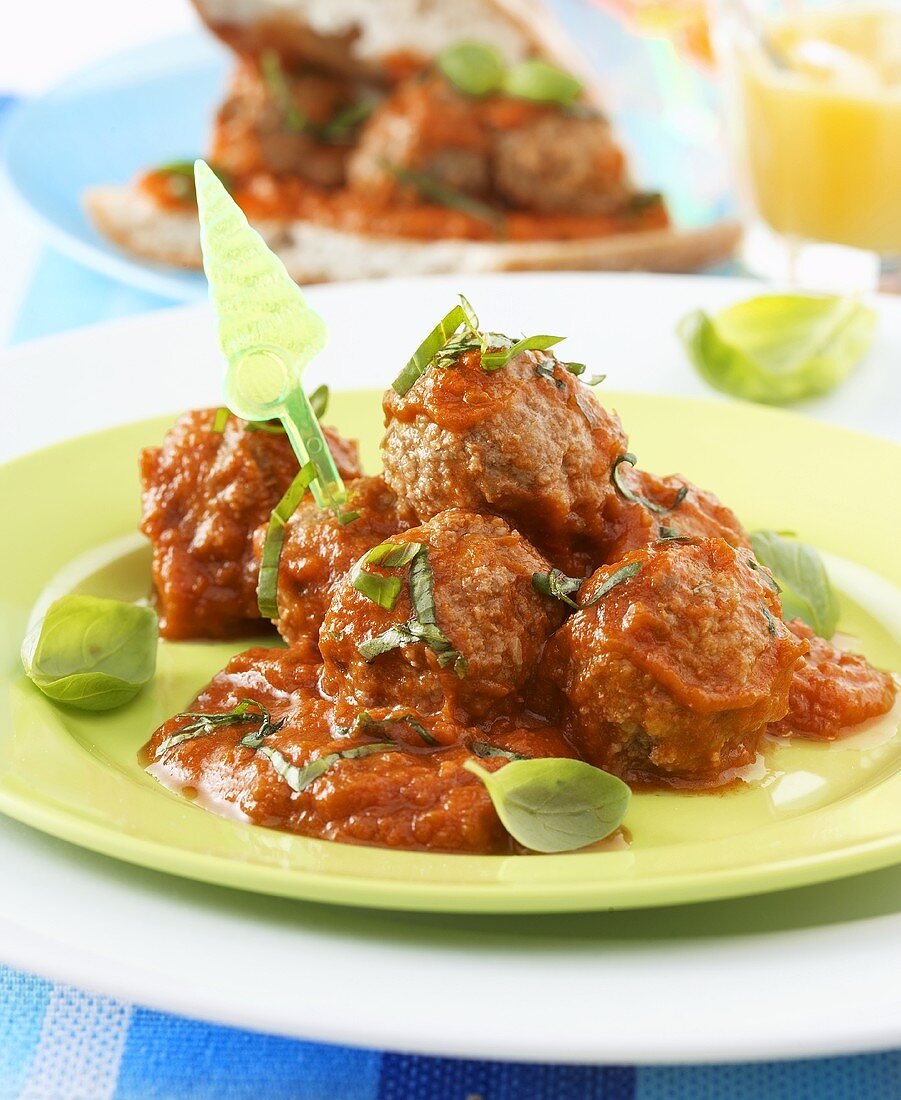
(817, 812)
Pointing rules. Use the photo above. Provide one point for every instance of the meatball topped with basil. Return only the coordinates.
(527, 441)
(442, 619)
(676, 663)
(318, 550)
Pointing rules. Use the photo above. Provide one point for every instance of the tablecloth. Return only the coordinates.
(61, 1043)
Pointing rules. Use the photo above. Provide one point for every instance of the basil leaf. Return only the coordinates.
(625, 573)
(92, 653)
(636, 498)
(421, 359)
(267, 582)
(318, 401)
(438, 192)
(541, 82)
(474, 67)
(248, 710)
(779, 348)
(299, 778)
(494, 360)
(557, 584)
(280, 89)
(390, 555)
(486, 751)
(806, 591)
(555, 805)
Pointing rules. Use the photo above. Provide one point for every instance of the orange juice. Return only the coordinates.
(822, 113)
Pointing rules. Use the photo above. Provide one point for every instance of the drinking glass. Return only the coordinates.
(813, 109)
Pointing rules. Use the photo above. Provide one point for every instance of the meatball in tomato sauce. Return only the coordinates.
(832, 691)
(204, 494)
(318, 551)
(528, 442)
(462, 635)
(666, 507)
(676, 664)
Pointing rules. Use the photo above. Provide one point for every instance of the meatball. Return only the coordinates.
(204, 494)
(257, 130)
(561, 164)
(464, 636)
(427, 126)
(528, 442)
(697, 513)
(406, 797)
(673, 675)
(318, 551)
(832, 691)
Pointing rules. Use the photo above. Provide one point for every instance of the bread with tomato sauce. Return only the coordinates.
(355, 155)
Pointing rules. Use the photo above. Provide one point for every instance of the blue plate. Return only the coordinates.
(155, 104)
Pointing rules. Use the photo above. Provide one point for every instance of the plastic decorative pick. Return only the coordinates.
(267, 332)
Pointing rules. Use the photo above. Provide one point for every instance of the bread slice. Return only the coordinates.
(315, 253)
(362, 36)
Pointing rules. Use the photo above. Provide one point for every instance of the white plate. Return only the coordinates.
(797, 973)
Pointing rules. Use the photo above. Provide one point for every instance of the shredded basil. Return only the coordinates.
(299, 778)
(669, 534)
(494, 360)
(770, 620)
(624, 573)
(319, 401)
(423, 624)
(389, 555)
(280, 90)
(558, 585)
(438, 192)
(422, 358)
(594, 380)
(546, 370)
(577, 369)
(248, 710)
(267, 583)
(365, 722)
(636, 498)
(486, 751)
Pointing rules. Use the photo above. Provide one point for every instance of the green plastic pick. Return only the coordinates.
(267, 332)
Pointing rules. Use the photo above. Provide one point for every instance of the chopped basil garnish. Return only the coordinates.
(422, 358)
(300, 777)
(438, 192)
(267, 583)
(765, 575)
(364, 722)
(624, 573)
(770, 620)
(248, 710)
(555, 805)
(280, 90)
(668, 534)
(92, 653)
(545, 369)
(806, 591)
(423, 624)
(494, 360)
(389, 555)
(594, 380)
(577, 369)
(319, 401)
(564, 588)
(636, 498)
(486, 751)
(558, 585)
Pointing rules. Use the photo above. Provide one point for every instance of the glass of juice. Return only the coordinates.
(813, 101)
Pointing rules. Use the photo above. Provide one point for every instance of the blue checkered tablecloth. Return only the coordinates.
(61, 1043)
